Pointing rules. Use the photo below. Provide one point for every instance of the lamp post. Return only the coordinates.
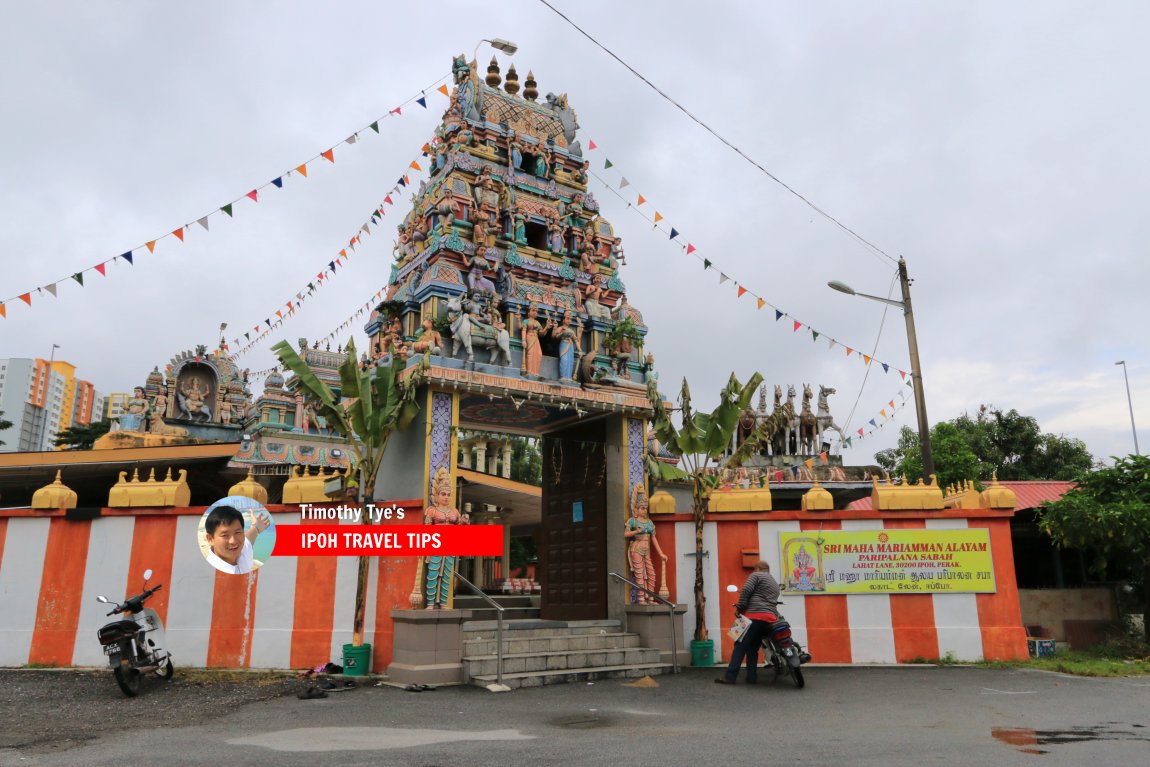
(47, 398)
(915, 367)
(1130, 403)
(499, 44)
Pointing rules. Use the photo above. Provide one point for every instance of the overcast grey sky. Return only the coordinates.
(1001, 147)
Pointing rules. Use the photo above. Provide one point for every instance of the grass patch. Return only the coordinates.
(1119, 657)
(231, 676)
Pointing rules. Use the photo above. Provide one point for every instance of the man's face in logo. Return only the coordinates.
(228, 541)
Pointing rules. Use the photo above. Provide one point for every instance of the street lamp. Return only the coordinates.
(47, 398)
(499, 44)
(1130, 403)
(915, 368)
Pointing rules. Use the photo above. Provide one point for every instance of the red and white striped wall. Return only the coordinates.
(855, 628)
(291, 613)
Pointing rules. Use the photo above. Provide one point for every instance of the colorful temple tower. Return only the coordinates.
(508, 276)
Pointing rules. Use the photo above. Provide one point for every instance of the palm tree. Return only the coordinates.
(702, 443)
(372, 405)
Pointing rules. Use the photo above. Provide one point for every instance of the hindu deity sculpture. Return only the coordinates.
(569, 339)
(479, 270)
(191, 397)
(428, 339)
(515, 153)
(439, 572)
(136, 412)
(479, 230)
(592, 293)
(555, 234)
(532, 351)
(520, 229)
(640, 532)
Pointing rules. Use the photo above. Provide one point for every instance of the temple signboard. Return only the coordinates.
(887, 562)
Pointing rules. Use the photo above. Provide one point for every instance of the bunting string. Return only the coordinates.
(229, 209)
(276, 317)
(675, 236)
(657, 221)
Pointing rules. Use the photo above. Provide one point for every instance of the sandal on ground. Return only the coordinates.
(311, 693)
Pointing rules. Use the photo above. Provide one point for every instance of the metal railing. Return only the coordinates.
(670, 615)
(498, 625)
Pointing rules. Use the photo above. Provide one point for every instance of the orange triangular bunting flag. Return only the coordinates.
(3, 311)
(642, 199)
(761, 302)
(27, 298)
(151, 246)
(443, 89)
(810, 462)
(658, 217)
(302, 170)
(415, 165)
(742, 290)
(823, 456)
(850, 351)
(179, 233)
(329, 155)
(100, 268)
(866, 360)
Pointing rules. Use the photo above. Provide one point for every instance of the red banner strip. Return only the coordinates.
(389, 540)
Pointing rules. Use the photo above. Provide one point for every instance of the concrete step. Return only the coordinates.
(473, 601)
(517, 643)
(482, 613)
(514, 663)
(485, 629)
(561, 676)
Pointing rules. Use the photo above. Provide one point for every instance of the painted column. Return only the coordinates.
(493, 459)
(507, 460)
(465, 458)
(481, 456)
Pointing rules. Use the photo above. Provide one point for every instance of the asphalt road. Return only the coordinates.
(911, 715)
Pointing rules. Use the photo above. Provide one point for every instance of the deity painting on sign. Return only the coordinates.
(802, 569)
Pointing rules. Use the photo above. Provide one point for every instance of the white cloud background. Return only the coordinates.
(1001, 147)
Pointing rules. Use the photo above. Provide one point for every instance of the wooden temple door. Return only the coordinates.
(573, 553)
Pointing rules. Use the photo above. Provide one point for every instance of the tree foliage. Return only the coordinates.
(701, 442)
(1003, 442)
(1108, 513)
(82, 436)
(526, 461)
(372, 405)
(4, 424)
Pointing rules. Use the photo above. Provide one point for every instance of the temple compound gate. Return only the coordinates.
(508, 277)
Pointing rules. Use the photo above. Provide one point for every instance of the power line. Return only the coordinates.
(872, 248)
(881, 324)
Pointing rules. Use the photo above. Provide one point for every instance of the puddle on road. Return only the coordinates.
(1027, 740)
(580, 722)
(306, 739)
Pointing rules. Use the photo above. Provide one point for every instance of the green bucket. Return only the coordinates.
(356, 660)
(703, 652)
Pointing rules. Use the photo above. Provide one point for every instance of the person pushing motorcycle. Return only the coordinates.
(758, 601)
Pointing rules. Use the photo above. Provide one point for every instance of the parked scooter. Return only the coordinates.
(781, 652)
(135, 645)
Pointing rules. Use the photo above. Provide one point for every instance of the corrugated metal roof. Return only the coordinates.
(1030, 493)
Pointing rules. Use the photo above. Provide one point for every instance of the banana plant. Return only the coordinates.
(701, 442)
(372, 405)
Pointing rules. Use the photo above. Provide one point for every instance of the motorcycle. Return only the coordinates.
(135, 645)
(780, 651)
